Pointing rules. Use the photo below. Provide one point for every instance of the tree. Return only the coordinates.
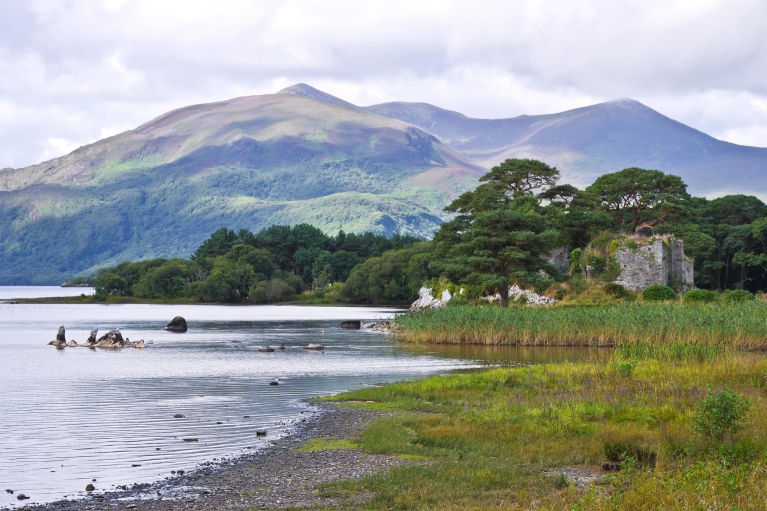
(519, 176)
(495, 240)
(109, 283)
(636, 197)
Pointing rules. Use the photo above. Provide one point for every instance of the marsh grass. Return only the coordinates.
(707, 327)
(489, 436)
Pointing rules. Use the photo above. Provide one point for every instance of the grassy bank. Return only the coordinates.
(512, 438)
(737, 325)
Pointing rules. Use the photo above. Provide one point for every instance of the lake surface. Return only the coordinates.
(69, 416)
(10, 292)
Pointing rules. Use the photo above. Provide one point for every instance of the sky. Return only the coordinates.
(75, 71)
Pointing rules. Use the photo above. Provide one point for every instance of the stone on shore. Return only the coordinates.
(177, 324)
(351, 325)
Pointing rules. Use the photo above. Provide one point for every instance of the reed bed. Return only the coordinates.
(741, 326)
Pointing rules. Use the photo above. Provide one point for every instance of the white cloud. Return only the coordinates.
(73, 70)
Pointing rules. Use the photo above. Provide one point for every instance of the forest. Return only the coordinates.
(500, 234)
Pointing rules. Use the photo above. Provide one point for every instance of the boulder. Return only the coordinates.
(313, 346)
(22, 497)
(61, 337)
(427, 301)
(90, 487)
(92, 337)
(112, 339)
(177, 324)
(351, 325)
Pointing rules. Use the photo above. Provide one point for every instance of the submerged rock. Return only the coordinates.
(177, 324)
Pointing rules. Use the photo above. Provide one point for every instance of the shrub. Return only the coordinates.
(616, 290)
(737, 295)
(700, 296)
(626, 367)
(658, 292)
(720, 414)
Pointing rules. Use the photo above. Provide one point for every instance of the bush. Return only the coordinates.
(658, 292)
(700, 296)
(720, 414)
(616, 290)
(737, 295)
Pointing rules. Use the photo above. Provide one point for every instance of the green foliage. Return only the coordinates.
(394, 277)
(658, 292)
(635, 197)
(720, 414)
(700, 296)
(500, 235)
(644, 329)
(737, 295)
(625, 367)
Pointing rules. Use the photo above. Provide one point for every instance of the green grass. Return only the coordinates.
(494, 439)
(326, 444)
(737, 325)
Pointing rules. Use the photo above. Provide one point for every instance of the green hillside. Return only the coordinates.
(161, 189)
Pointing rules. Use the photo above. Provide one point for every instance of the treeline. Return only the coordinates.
(272, 265)
(501, 234)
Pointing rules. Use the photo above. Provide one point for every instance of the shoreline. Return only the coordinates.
(78, 300)
(277, 476)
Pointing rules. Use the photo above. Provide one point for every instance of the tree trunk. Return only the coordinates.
(504, 292)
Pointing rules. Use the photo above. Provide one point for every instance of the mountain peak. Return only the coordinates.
(307, 91)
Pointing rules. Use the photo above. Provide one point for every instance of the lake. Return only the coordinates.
(69, 416)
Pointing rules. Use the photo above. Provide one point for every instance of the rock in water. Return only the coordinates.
(61, 337)
(177, 324)
(265, 349)
(140, 344)
(261, 432)
(90, 487)
(92, 337)
(317, 347)
(22, 497)
(112, 339)
(351, 325)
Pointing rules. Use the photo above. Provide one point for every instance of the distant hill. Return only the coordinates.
(250, 162)
(302, 155)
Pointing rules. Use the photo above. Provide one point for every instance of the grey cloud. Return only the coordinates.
(73, 70)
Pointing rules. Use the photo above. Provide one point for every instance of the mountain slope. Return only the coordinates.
(159, 190)
(587, 142)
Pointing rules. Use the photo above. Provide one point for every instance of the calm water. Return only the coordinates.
(69, 416)
(10, 292)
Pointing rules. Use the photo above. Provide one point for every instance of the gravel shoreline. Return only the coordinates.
(275, 477)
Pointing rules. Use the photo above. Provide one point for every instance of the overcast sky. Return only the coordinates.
(75, 71)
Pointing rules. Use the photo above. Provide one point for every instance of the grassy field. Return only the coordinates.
(512, 438)
(737, 325)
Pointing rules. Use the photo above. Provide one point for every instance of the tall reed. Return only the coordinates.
(737, 325)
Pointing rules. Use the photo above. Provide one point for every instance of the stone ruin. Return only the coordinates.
(654, 261)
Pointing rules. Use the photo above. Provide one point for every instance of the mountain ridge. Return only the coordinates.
(302, 155)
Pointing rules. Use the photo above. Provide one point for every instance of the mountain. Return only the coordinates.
(587, 142)
(161, 189)
(302, 155)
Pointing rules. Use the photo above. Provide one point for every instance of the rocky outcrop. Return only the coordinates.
(61, 338)
(427, 301)
(112, 339)
(177, 324)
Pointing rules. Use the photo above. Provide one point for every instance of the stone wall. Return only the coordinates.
(656, 262)
(559, 258)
